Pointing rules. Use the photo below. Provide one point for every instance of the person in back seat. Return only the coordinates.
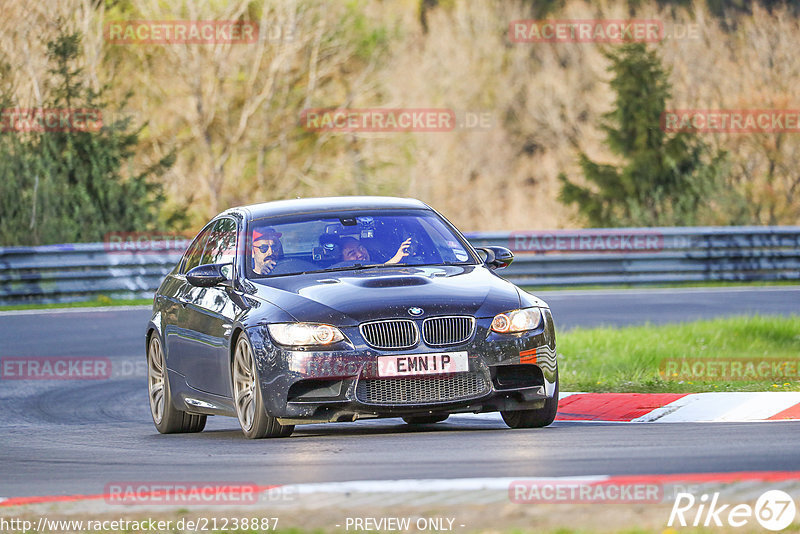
(353, 250)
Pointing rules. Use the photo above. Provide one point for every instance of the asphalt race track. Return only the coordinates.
(63, 437)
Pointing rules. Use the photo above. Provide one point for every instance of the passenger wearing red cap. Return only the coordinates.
(267, 250)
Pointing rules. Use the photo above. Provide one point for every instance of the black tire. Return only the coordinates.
(534, 418)
(425, 419)
(256, 423)
(167, 418)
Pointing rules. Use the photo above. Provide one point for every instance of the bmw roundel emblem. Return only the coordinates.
(415, 311)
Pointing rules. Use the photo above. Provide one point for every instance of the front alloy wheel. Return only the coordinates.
(250, 410)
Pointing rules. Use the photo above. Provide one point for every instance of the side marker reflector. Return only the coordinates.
(527, 356)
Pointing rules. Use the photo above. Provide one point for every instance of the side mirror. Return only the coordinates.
(208, 275)
(496, 257)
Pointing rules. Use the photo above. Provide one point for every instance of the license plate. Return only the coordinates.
(423, 364)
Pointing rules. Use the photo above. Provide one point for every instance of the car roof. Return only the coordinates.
(322, 204)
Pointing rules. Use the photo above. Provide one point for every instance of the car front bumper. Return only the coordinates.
(505, 372)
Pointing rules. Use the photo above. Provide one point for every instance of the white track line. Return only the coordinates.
(429, 485)
(75, 310)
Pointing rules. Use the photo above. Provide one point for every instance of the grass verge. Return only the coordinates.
(99, 301)
(675, 358)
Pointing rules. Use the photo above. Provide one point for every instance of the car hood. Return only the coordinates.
(351, 297)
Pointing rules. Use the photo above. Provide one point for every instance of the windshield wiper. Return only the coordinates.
(355, 266)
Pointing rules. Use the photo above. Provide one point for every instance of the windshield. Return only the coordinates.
(351, 240)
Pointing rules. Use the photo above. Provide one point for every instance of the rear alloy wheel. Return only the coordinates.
(250, 410)
(167, 418)
(534, 418)
(425, 419)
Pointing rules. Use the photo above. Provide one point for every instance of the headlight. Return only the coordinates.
(517, 321)
(299, 334)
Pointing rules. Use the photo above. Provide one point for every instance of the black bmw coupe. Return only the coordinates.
(337, 309)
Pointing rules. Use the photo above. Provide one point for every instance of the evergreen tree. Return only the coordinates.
(665, 180)
(67, 184)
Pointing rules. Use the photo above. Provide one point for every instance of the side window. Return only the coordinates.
(195, 251)
(221, 246)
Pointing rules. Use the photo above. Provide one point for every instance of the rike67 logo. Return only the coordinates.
(774, 510)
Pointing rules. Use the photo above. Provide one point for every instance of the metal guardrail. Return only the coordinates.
(80, 271)
(649, 255)
(61, 273)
